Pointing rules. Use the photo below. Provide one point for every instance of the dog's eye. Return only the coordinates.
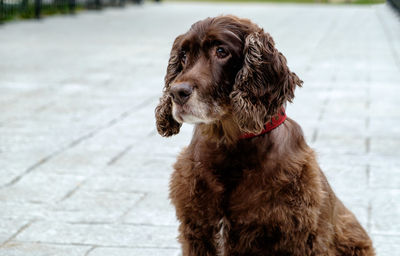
(221, 52)
(183, 57)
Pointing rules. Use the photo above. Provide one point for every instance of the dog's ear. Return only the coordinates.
(166, 125)
(263, 85)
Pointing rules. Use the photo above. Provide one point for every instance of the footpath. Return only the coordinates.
(83, 171)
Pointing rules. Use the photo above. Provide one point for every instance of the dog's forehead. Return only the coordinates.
(224, 29)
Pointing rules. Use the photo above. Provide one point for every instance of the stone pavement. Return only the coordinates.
(82, 169)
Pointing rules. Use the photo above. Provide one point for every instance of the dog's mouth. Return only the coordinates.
(177, 113)
(188, 114)
(183, 114)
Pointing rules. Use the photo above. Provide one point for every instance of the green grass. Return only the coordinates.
(285, 1)
(245, 1)
(13, 12)
(368, 1)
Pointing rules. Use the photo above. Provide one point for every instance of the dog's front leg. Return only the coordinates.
(197, 199)
(197, 240)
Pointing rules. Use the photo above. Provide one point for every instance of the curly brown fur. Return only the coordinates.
(260, 196)
(263, 84)
(166, 125)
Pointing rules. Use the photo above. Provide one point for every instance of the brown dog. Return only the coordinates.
(248, 184)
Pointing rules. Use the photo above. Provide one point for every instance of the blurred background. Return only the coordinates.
(82, 168)
(26, 9)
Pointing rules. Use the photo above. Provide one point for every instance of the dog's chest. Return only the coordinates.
(222, 236)
(230, 191)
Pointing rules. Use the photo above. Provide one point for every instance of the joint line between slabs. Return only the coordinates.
(90, 250)
(78, 141)
(17, 233)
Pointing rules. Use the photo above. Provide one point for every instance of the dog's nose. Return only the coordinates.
(180, 92)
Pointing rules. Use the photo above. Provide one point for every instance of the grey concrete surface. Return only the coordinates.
(82, 169)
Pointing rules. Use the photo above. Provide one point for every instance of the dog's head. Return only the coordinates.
(224, 67)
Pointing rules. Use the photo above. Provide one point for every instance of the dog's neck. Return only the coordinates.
(275, 121)
(225, 131)
(228, 132)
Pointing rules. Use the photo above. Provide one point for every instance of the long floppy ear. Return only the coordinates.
(263, 85)
(166, 125)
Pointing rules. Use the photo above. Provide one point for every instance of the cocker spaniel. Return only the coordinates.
(247, 184)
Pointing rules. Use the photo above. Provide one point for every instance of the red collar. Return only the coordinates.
(269, 126)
